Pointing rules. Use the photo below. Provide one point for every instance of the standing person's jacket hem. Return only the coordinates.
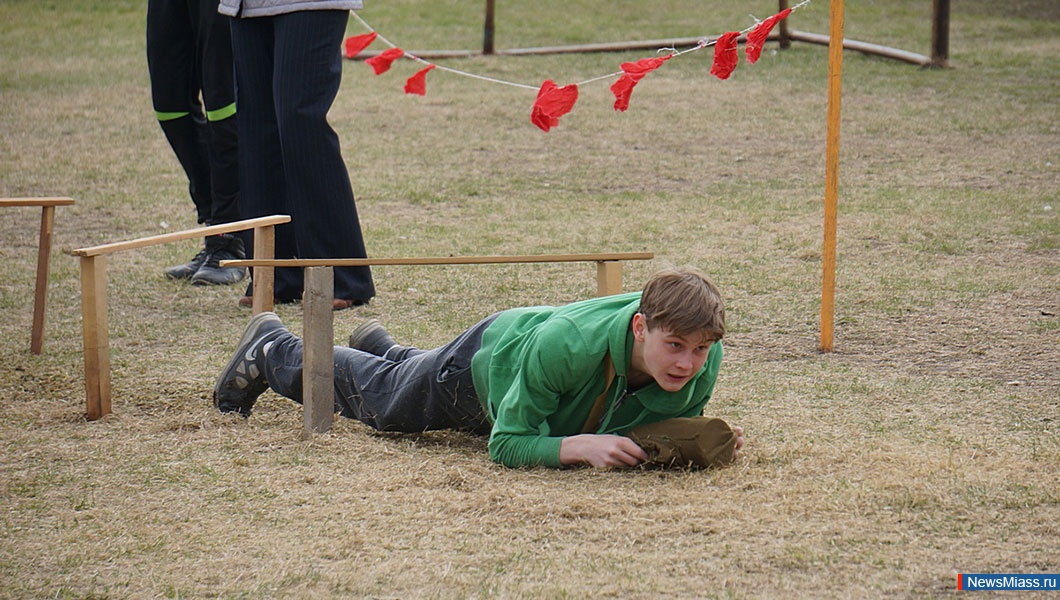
(268, 8)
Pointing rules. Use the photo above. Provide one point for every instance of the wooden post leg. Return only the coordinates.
(940, 34)
(608, 277)
(40, 294)
(488, 29)
(785, 31)
(264, 278)
(318, 351)
(94, 328)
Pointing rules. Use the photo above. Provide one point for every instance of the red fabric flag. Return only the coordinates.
(725, 55)
(633, 72)
(417, 84)
(644, 66)
(757, 38)
(382, 62)
(623, 89)
(355, 44)
(552, 103)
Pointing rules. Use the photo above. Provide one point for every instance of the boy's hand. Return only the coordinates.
(739, 442)
(601, 451)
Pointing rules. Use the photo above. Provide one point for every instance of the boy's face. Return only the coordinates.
(671, 360)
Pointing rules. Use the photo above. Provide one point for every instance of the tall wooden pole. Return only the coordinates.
(785, 31)
(487, 29)
(831, 184)
(940, 34)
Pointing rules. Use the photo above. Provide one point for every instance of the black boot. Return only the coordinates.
(372, 337)
(188, 270)
(221, 247)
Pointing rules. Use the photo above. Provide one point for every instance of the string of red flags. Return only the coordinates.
(553, 101)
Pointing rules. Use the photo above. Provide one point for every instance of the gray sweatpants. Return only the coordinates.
(409, 390)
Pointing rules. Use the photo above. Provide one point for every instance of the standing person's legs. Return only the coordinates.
(174, 74)
(214, 46)
(432, 389)
(262, 181)
(320, 196)
(179, 66)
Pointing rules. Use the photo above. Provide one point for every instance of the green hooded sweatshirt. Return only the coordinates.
(540, 370)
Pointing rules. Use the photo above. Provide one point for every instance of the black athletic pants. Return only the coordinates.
(189, 58)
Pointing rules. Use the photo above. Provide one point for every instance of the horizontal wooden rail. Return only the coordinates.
(608, 270)
(864, 47)
(318, 402)
(177, 236)
(36, 201)
(94, 295)
(44, 253)
(439, 260)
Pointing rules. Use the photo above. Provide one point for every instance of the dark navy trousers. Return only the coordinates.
(288, 70)
(408, 390)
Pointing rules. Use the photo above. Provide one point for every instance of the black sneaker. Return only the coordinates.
(187, 271)
(243, 378)
(221, 247)
(371, 337)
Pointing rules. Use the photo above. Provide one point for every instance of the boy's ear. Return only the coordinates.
(640, 326)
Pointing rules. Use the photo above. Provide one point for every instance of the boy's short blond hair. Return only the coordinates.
(684, 302)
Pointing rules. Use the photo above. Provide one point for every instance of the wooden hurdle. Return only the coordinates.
(94, 295)
(318, 336)
(44, 252)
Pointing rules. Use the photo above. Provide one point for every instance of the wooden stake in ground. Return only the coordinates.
(318, 374)
(44, 249)
(831, 184)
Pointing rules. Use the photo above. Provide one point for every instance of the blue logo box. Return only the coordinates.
(995, 581)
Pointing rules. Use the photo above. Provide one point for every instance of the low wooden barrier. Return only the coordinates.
(44, 251)
(94, 295)
(318, 336)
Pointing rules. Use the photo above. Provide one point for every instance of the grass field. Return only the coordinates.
(926, 445)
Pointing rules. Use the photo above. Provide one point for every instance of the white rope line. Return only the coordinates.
(703, 43)
(438, 66)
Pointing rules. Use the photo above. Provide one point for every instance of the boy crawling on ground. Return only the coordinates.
(550, 386)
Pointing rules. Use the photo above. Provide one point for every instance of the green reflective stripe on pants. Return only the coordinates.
(170, 116)
(221, 113)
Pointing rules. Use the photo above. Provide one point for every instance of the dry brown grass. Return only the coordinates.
(924, 446)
